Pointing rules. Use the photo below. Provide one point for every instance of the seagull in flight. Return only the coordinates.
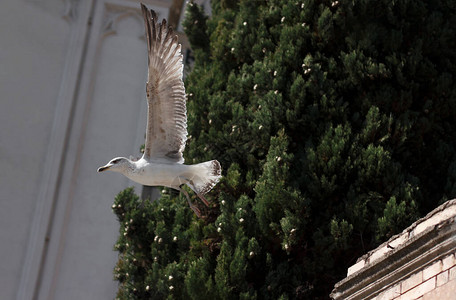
(166, 132)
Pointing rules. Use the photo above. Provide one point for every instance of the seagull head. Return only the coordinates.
(118, 164)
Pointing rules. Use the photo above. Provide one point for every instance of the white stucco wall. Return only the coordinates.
(33, 43)
(72, 76)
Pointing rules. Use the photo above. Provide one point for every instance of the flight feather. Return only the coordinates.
(166, 131)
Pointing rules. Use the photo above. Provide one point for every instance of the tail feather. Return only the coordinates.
(206, 176)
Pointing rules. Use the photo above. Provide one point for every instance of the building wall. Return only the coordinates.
(32, 52)
(72, 89)
(419, 263)
(436, 281)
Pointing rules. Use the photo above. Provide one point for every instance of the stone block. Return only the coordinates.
(390, 293)
(379, 253)
(444, 292)
(452, 274)
(435, 219)
(448, 262)
(411, 282)
(356, 267)
(432, 270)
(399, 240)
(419, 290)
(442, 278)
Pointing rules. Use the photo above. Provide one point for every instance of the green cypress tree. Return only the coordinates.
(334, 123)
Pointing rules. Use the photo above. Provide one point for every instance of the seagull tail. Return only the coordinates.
(205, 176)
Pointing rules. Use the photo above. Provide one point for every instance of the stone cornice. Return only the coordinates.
(425, 241)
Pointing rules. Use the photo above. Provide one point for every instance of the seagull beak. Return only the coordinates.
(101, 169)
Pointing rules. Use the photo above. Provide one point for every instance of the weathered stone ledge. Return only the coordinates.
(429, 240)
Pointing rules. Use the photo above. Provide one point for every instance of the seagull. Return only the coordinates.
(162, 163)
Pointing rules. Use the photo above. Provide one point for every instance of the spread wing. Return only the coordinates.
(166, 131)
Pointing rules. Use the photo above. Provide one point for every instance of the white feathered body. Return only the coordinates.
(202, 176)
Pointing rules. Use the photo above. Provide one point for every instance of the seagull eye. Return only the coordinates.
(115, 161)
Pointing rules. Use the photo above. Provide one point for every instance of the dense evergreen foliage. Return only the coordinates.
(335, 124)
